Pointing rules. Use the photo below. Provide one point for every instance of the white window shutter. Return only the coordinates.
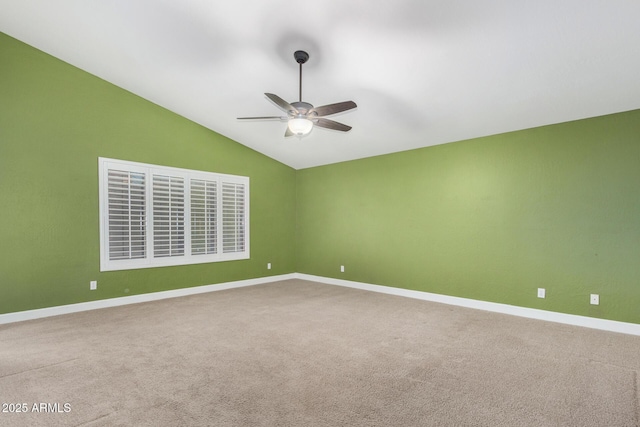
(126, 203)
(233, 217)
(204, 218)
(168, 216)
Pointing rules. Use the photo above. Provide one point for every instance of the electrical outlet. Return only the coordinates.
(541, 293)
(93, 285)
(595, 299)
(342, 269)
(268, 266)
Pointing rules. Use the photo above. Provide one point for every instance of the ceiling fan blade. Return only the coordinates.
(327, 110)
(330, 124)
(288, 132)
(282, 103)
(264, 118)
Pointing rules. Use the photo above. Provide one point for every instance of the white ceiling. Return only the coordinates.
(423, 72)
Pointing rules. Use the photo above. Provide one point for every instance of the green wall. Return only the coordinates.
(55, 121)
(490, 219)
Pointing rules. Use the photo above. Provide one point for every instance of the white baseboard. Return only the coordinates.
(531, 313)
(134, 299)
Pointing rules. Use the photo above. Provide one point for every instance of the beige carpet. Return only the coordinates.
(297, 353)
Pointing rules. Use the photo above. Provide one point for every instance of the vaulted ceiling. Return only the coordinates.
(423, 72)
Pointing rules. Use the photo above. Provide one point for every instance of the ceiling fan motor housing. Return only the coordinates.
(302, 107)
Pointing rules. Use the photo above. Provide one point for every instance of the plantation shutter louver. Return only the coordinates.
(233, 217)
(126, 215)
(204, 219)
(168, 216)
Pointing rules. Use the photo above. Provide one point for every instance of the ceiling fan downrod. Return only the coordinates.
(301, 57)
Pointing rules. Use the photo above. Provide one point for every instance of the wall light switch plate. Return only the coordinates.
(541, 293)
(595, 299)
(93, 285)
(268, 266)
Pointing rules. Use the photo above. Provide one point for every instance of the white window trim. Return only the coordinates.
(104, 164)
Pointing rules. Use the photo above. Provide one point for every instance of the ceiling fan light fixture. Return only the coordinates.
(300, 126)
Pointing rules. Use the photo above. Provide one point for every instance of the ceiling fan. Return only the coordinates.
(302, 116)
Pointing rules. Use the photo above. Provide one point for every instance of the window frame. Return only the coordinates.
(149, 260)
